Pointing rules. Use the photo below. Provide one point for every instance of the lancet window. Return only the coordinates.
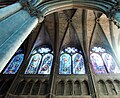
(40, 61)
(71, 61)
(15, 63)
(102, 61)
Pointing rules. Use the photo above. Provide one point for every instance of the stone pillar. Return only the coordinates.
(13, 31)
(9, 10)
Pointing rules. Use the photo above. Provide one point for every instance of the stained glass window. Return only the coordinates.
(71, 61)
(97, 63)
(110, 63)
(102, 61)
(41, 61)
(46, 64)
(78, 64)
(65, 64)
(33, 64)
(14, 64)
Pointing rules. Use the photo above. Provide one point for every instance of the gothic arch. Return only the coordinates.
(102, 87)
(110, 87)
(77, 88)
(55, 6)
(60, 88)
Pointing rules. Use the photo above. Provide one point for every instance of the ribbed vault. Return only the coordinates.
(27, 15)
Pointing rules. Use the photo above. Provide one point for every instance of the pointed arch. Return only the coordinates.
(20, 87)
(71, 61)
(102, 87)
(36, 88)
(110, 63)
(14, 65)
(44, 88)
(85, 88)
(77, 88)
(78, 64)
(97, 62)
(117, 84)
(45, 67)
(69, 88)
(111, 88)
(33, 64)
(60, 88)
(65, 64)
(28, 87)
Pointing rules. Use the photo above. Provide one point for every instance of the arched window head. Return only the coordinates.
(15, 63)
(71, 61)
(33, 64)
(40, 61)
(102, 61)
(97, 63)
(46, 64)
(78, 64)
(110, 63)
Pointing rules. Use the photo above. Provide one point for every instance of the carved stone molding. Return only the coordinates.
(27, 5)
(114, 14)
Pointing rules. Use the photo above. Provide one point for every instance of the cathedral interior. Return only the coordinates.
(59, 48)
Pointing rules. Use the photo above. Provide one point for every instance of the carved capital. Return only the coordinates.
(36, 12)
(114, 14)
(27, 5)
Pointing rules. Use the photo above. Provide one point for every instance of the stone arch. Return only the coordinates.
(55, 6)
(102, 87)
(36, 87)
(117, 84)
(77, 88)
(60, 88)
(44, 88)
(20, 87)
(85, 88)
(69, 88)
(28, 87)
(110, 87)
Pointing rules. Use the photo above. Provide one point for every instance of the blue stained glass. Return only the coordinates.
(14, 64)
(98, 49)
(110, 63)
(33, 64)
(44, 50)
(46, 64)
(71, 50)
(78, 64)
(65, 64)
(97, 63)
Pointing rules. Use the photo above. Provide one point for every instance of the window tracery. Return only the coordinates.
(40, 61)
(103, 62)
(71, 61)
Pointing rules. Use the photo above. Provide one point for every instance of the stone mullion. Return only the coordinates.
(32, 88)
(23, 88)
(65, 84)
(73, 88)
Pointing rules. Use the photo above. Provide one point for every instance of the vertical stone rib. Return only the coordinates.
(9, 10)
